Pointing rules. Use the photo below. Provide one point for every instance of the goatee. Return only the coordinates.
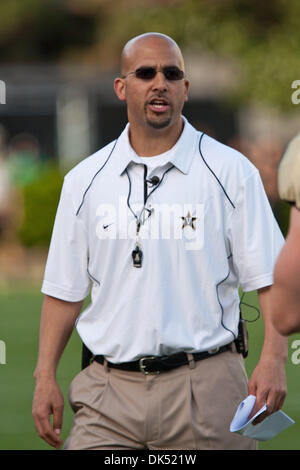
(158, 124)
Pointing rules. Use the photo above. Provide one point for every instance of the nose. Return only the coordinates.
(159, 81)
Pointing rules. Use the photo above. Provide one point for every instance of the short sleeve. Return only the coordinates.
(254, 235)
(289, 173)
(66, 273)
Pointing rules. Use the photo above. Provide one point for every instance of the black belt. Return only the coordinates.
(156, 364)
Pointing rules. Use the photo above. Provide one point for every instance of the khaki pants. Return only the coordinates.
(187, 408)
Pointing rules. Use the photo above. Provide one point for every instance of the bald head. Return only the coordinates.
(161, 54)
(143, 41)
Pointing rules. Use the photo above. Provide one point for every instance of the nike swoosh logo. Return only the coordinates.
(105, 226)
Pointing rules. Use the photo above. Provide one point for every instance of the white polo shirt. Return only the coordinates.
(208, 228)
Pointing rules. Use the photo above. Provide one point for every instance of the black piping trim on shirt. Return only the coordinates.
(129, 193)
(222, 310)
(92, 277)
(145, 184)
(92, 180)
(201, 154)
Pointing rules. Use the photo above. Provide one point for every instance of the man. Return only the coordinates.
(166, 222)
(286, 288)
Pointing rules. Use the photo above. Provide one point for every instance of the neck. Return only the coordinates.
(148, 142)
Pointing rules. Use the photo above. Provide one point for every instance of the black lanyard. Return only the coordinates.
(137, 254)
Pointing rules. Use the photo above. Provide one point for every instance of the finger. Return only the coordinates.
(253, 413)
(282, 400)
(49, 435)
(58, 419)
(276, 400)
(261, 400)
(45, 431)
(261, 417)
(273, 403)
(252, 388)
(259, 403)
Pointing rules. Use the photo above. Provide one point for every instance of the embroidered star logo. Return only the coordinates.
(188, 220)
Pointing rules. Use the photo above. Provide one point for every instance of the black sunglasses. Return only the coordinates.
(171, 73)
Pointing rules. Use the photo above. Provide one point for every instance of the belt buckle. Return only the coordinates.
(143, 366)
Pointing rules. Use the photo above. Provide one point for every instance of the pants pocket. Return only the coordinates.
(218, 384)
(87, 388)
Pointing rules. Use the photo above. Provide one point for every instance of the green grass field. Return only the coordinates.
(19, 326)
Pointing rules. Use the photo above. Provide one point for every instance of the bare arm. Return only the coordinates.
(285, 296)
(57, 322)
(268, 380)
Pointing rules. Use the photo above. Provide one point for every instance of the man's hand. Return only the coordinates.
(268, 384)
(268, 380)
(57, 323)
(48, 400)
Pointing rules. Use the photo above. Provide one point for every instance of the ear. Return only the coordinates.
(120, 88)
(186, 86)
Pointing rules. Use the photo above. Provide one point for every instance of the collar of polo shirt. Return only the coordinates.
(181, 157)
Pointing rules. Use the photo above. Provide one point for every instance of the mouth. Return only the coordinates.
(158, 105)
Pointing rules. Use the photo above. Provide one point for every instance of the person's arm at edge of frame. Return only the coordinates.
(57, 323)
(268, 380)
(285, 294)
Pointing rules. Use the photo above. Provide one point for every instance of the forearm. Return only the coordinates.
(57, 322)
(285, 295)
(268, 380)
(275, 344)
(285, 307)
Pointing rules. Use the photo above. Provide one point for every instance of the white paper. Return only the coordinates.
(268, 428)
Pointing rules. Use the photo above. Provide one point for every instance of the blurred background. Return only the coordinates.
(58, 59)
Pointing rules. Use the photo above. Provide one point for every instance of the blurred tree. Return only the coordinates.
(40, 198)
(32, 30)
(263, 38)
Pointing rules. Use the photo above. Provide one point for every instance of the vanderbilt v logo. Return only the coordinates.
(2, 92)
(188, 220)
